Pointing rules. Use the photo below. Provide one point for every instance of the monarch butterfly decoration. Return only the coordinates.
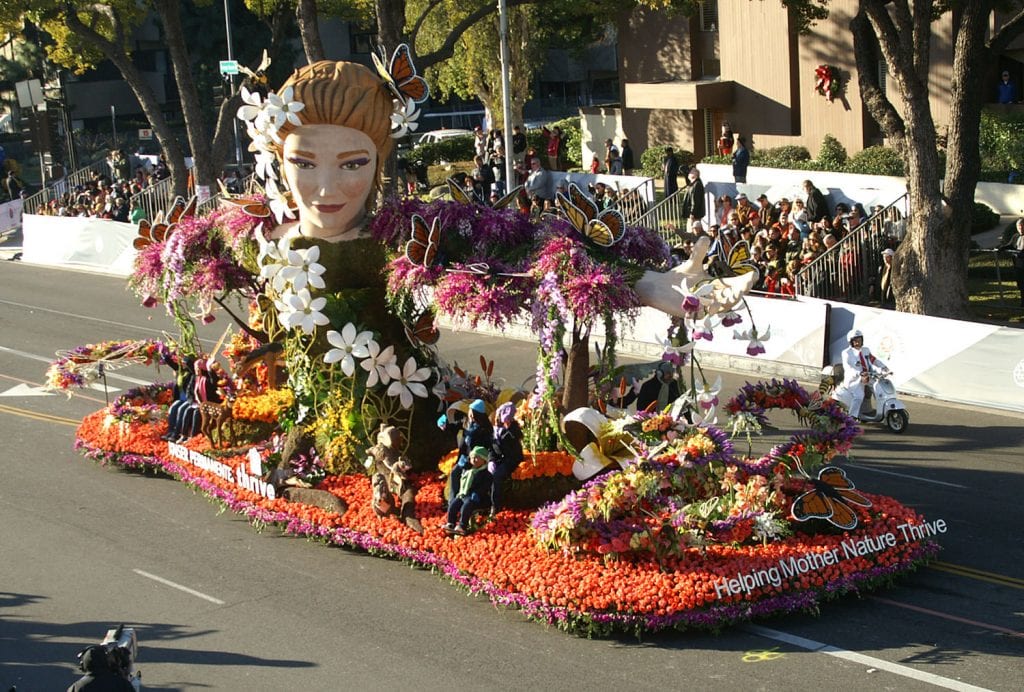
(604, 228)
(422, 246)
(252, 204)
(459, 194)
(161, 228)
(400, 76)
(736, 262)
(423, 331)
(830, 499)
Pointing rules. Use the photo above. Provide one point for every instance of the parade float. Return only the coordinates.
(318, 411)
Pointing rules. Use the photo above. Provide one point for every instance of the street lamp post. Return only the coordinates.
(506, 89)
(231, 81)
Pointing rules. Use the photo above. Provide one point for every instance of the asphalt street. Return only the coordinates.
(219, 605)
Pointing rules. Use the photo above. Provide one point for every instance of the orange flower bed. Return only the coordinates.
(581, 593)
(534, 465)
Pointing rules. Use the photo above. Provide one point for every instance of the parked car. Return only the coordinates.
(438, 135)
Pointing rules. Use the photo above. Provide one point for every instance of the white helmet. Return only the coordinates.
(854, 334)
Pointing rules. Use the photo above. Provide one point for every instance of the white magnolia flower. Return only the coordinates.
(377, 363)
(280, 108)
(264, 164)
(253, 105)
(278, 202)
(407, 381)
(304, 312)
(403, 120)
(272, 260)
(302, 268)
(348, 345)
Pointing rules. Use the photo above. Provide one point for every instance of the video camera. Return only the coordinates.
(116, 654)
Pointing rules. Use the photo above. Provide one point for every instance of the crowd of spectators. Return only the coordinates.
(786, 235)
(108, 194)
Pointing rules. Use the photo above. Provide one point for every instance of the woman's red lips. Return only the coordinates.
(329, 208)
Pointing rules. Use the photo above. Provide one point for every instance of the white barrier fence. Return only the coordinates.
(957, 361)
(79, 242)
(10, 214)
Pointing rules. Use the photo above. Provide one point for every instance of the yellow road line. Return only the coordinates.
(972, 573)
(45, 417)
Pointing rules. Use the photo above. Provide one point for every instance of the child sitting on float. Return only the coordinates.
(473, 492)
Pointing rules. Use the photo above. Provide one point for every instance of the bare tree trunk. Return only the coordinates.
(114, 51)
(391, 24)
(205, 169)
(309, 30)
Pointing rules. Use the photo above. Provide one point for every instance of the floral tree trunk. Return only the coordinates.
(577, 373)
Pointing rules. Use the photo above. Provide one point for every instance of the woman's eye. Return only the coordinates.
(354, 164)
(302, 164)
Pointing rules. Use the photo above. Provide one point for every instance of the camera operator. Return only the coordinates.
(103, 673)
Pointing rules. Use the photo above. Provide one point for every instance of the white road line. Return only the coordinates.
(44, 359)
(90, 319)
(179, 587)
(870, 661)
(906, 475)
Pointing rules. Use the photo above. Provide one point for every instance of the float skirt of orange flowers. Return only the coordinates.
(582, 593)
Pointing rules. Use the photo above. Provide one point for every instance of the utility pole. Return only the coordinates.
(506, 89)
(231, 81)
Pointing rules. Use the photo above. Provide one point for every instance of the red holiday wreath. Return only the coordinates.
(826, 81)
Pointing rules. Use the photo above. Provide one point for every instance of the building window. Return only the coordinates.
(883, 74)
(709, 132)
(709, 15)
(361, 39)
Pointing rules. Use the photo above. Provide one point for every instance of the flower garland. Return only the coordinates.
(827, 81)
(83, 365)
(141, 405)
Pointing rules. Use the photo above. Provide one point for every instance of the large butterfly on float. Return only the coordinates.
(259, 77)
(252, 203)
(160, 229)
(737, 261)
(423, 331)
(459, 194)
(422, 247)
(830, 499)
(400, 76)
(604, 228)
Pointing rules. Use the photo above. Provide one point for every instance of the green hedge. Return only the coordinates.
(876, 161)
(650, 161)
(451, 149)
(832, 156)
(983, 218)
(1002, 146)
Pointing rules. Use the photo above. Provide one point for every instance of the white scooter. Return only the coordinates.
(887, 405)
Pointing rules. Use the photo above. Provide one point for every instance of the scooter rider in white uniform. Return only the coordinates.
(858, 364)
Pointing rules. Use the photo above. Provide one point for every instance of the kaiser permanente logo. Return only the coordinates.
(745, 582)
(237, 475)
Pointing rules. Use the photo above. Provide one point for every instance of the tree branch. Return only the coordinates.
(865, 47)
(447, 49)
(423, 17)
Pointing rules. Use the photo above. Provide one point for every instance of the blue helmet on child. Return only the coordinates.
(478, 406)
